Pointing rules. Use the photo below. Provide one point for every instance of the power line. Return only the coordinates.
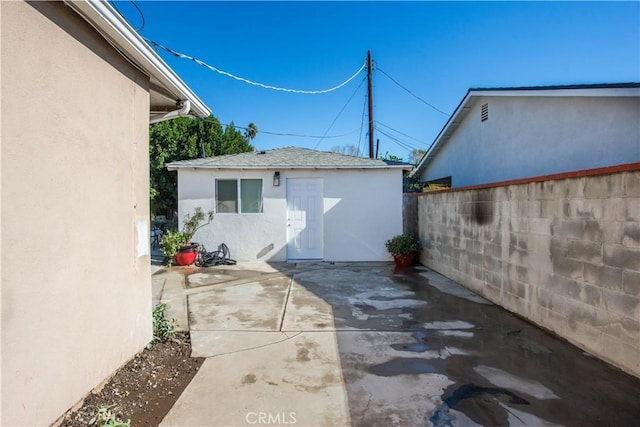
(345, 106)
(397, 131)
(242, 79)
(411, 93)
(115, 6)
(407, 144)
(293, 134)
(397, 141)
(141, 15)
(364, 109)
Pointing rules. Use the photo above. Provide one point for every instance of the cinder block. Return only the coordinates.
(590, 294)
(604, 186)
(604, 276)
(630, 234)
(540, 253)
(632, 184)
(631, 283)
(545, 298)
(568, 268)
(575, 188)
(620, 304)
(585, 251)
(551, 208)
(617, 209)
(593, 231)
(540, 226)
(587, 208)
(518, 272)
(631, 330)
(569, 229)
(621, 257)
(564, 286)
(633, 209)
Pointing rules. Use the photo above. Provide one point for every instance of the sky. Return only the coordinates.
(435, 50)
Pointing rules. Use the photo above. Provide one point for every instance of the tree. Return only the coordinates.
(391, 157)
(348, 150)
(416, 156)
(181, 139)
(251, 132)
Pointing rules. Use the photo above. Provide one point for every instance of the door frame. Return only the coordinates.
(320, 213)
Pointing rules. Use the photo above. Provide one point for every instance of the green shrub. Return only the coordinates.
(403, 244)
(163, 328)
(171, 243)
(173, 240)
(106, 418)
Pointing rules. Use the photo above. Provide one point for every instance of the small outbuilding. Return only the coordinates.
(294, 204)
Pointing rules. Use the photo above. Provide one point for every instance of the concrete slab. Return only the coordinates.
(361, 344)
(255, 306)
(216, 343)
(292, 382)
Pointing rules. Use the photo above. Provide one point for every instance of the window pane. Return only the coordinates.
(251, 194)
(227, 196)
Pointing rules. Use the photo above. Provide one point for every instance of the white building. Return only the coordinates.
(512, 133)
(294, 203)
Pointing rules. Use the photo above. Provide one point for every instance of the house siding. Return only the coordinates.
(362, 209)
(531, 136)
(76, 291)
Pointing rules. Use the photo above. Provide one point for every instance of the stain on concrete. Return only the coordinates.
(480, 404)
(404, 366)
(303, 355)
(249, 379)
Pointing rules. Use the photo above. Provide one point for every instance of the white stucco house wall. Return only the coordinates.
(79, 89)
(294, 204)
(513, 133)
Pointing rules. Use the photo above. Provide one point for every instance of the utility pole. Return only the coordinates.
(370, 97)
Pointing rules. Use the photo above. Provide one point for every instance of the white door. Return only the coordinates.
(304, 218)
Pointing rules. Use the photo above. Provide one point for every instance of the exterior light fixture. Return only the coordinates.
(276, 179)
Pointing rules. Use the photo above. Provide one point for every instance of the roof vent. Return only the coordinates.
(484, 112)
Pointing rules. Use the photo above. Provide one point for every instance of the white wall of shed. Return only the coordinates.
(362, 209)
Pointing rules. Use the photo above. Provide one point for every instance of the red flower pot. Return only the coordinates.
(404, 260)
(187, 255)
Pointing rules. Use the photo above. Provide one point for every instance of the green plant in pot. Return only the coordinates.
(179, 242)
(403, 248)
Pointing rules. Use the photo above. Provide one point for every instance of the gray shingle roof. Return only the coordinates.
(286, 158)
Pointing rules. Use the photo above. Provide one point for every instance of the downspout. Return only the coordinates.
(182, 111)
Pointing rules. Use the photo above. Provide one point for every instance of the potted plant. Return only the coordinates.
(177, 245)
(403, 248)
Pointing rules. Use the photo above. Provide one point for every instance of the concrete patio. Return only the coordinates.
(318, 344)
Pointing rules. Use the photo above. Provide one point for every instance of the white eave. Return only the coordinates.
(168, 91)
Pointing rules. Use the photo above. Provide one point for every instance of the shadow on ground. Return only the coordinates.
(365, 344)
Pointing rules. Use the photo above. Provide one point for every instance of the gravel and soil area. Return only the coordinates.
(145, 389)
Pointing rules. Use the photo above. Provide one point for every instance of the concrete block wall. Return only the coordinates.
(410, 214)
(562, 251)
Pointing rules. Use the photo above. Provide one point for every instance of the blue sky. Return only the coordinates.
(438, 50)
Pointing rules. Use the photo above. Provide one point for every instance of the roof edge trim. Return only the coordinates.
(117, 30)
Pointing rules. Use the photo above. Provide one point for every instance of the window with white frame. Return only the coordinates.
(239, 195)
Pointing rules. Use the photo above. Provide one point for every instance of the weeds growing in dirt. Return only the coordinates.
(106, 418)
(163, 329)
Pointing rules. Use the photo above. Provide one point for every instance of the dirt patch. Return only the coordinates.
(145, 389)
